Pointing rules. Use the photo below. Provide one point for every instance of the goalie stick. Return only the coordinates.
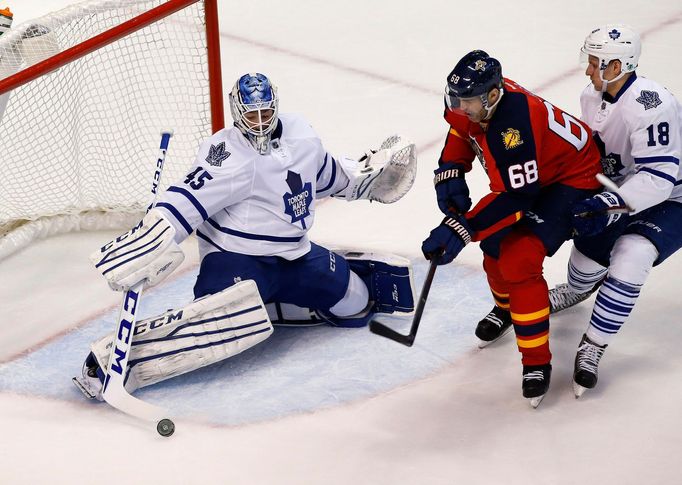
(113, 391)
(385, 331)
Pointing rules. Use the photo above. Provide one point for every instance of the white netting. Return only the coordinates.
(86, 137)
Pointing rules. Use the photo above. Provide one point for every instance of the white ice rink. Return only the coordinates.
(331, 406)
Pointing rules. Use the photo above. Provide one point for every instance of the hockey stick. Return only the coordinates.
(381, 329)
(113, 390)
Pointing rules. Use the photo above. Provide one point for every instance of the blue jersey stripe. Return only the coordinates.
(197, 205)
(331, 180)
(255, 237)
(208, 240)
(658, 173)
(319, 174)
(665, 159)
(176, 213)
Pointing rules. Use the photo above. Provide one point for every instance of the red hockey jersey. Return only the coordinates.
(528, 144)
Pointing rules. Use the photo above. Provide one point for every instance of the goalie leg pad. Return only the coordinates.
(388, 278)
(206, 331)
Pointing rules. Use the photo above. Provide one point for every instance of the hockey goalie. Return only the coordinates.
(251, 197)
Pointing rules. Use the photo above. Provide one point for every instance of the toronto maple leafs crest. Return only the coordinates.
(217, 154)
(612, 165)
(614, 34)
(649, 99)
(297, 202)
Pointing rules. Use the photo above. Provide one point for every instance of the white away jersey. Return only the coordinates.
(244, 202)
(640, 135)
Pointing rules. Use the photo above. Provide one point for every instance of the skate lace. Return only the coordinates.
(562, 296)
(589, 356)
(536, 375)
(493, 318)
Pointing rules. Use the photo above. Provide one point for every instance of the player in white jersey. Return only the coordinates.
(638, 125)
(251, 197)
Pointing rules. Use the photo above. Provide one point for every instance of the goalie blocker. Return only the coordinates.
(206, 331)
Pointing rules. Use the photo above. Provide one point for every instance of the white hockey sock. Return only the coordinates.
(355, 300)
(583, 273)
(631, 260)
(612, 307)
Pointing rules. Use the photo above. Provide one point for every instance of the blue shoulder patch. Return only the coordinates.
(649, 99)
(217, 154)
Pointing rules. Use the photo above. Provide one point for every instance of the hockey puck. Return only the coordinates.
(165, 427)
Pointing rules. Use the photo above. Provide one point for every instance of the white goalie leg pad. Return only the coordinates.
(206, 331)
(146, 252)
(385, 175)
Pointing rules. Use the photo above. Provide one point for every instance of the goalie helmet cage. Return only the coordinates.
(84, 94)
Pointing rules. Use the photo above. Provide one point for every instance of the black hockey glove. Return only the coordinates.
(448, 239)
(452, 191)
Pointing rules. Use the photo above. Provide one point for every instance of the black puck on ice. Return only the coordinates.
(165, 427)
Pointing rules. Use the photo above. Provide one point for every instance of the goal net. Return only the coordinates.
(84, 94)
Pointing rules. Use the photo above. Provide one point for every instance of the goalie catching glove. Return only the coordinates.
(384, 175)
(146, 252)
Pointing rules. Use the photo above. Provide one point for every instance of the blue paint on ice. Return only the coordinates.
(295, 370)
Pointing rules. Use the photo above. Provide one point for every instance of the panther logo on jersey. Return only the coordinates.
(649, 99)
(511, 138)
(217, 154)
(297, 202)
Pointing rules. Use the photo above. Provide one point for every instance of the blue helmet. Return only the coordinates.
(254, 93)
(476, 74)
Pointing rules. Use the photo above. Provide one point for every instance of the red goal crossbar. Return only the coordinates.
(112, 35)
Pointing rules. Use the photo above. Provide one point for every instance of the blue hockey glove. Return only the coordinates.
(593, 215)
(452, 191)
(448, 239)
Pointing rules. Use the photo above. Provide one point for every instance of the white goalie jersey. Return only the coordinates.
(640, 135)
(240, 201)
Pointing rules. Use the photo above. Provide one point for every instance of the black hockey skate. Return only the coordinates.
(494, 326)
(586, 365)
(562, 297)
(536, 382)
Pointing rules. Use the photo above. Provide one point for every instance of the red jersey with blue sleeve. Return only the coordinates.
(528, 144)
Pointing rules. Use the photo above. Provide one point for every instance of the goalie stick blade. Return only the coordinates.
(381, 329)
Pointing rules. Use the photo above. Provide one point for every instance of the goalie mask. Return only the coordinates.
(610, 43)
(254, 104)
(474, 76)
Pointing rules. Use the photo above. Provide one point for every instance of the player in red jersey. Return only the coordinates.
(540, 161)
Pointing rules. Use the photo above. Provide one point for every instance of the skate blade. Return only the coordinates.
(535, 401)
(578, 389)
(84, 388)
(484, 343)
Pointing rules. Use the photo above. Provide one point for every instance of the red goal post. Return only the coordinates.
(84, 94)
